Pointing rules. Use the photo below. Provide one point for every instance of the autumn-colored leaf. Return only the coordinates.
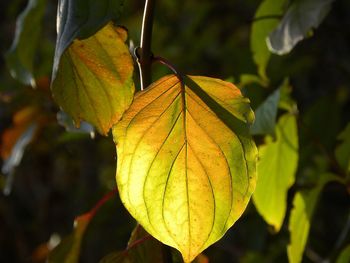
(186, 161)
(21, 121)
(94, 79)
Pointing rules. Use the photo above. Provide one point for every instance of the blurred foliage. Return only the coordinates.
(62, 174)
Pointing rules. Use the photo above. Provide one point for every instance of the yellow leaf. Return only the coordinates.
(94, 79)
(186, 162)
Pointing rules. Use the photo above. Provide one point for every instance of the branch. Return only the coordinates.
(100, 203)
(145, 56)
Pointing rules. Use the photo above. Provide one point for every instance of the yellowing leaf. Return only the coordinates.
(186, 161)
(276, 170)
(94, 78)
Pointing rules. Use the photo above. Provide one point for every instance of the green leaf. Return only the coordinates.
(266, 19)
(301, 17)
(82, 19)
(265, 115)
(304, 204)
(20, 57)
(248, 79)
(186, 161)
(342, 152)
(277, 165)
(344, 256)
(94, 81)
(68, 251)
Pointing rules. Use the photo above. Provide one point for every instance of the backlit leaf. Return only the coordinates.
(301, 17)
(82, 19)
(94, 80)
(265, 115)
(186, 161)
(304, 204)
(20, 57)
(266, 20)
(277, 165)
(342, 152)
(248, 79)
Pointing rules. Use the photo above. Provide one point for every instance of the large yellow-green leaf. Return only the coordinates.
(94, 78)
(276, 169)
(186, 161)
(304, 204)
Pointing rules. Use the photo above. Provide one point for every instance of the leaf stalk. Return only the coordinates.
(145, 55)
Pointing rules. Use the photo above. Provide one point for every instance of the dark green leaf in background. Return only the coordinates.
(21, 56)
(301, 17)
(265, 115)
(81, 19)
(266, 19)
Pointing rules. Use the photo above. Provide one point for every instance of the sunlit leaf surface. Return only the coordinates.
(186, 161)
(304, 204)
(94, 79)
(276, 169)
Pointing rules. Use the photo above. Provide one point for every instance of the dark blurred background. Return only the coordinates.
(63, 174)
